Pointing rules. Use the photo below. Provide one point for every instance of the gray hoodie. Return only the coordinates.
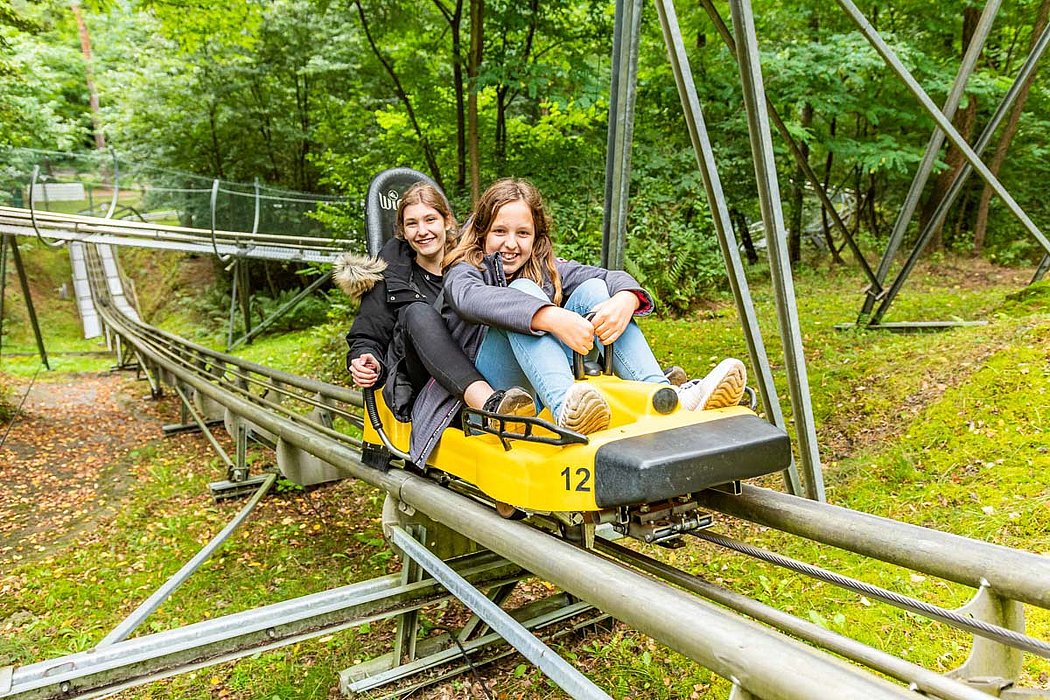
(475, 299)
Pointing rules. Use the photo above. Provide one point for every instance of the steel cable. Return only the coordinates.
(996, 633)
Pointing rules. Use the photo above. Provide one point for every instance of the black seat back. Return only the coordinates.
(384, 193)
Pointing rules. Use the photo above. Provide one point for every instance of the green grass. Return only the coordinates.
(946, 430)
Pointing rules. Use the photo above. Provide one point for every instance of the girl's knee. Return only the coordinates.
(596, 286)
(529, 287)
(588, 294)
(421, 318)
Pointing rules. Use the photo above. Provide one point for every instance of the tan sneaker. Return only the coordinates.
(514, 401)
(722, 387)
(676, 375)
(584, 410)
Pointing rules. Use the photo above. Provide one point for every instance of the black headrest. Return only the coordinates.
(384, 193)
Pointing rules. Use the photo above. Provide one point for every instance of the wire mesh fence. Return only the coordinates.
(98, 183)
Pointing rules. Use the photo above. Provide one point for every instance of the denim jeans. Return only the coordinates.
(542, 365)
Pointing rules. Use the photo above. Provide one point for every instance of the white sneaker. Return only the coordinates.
(722, 387)
(584, 410)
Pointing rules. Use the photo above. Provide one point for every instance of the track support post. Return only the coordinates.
(992, 667)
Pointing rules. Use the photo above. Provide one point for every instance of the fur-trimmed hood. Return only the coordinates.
(356, 274)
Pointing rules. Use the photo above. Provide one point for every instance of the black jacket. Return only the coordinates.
(386, 285)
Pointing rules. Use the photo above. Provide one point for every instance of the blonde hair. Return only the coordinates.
(471, 247)
(427, 195)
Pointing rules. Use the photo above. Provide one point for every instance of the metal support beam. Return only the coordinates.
(136, 618)
(705, 158)
(779, 262)
(876, 40)
(543, 657)
(285, 308)
(1040, 271)
(626, 36)
(191, 410)
(955, 189)
(23, 280)
(990, 663)
(796, 151)
(150, 657)
(911, 201)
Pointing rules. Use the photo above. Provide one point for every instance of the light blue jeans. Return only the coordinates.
(542, 365)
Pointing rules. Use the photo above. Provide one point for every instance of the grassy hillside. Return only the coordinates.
(946, 430)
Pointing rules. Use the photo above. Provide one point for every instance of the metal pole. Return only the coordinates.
(946, 126)
(800, 159)
(233, 305)
(116, 185)
(3, 283)
(291, 303)
(973, 52)
(779, 264)
(542, 656)
(1044, 265)
(621, 131)
(955, 189)
(132, 621)
(245, 295)
(203, 425)
(255, 220)
(701, 140)
(23, 280)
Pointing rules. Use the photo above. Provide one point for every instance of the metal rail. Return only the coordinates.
(71, 227)
(1018, 575)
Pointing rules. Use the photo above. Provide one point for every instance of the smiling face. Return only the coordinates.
(511, 235)
(425, 230)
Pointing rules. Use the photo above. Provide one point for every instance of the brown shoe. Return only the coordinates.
(514, 401)
(584, 410)
(676, 375)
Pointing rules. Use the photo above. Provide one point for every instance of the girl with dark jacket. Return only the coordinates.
(398, 339)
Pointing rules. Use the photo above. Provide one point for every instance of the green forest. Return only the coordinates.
(318, 96)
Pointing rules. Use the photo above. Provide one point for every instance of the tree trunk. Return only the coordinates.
(835, 257)
(89, 74)
(798, 191)
(963, 123)
(454, 17)
(424, 142)
(477, 43)
(980, 227)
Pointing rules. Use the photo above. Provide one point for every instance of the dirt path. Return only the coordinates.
(64, 464)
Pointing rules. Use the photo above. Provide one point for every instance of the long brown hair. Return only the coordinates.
(428, 195)
(471, 247)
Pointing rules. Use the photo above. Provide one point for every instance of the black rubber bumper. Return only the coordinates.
(684, 460)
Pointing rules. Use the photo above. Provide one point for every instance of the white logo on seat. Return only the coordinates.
(390, 199)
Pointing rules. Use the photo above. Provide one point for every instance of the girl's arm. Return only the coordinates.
(573, 274)
(567, 326)
(612, 316)
(476, 301)
(372, 331)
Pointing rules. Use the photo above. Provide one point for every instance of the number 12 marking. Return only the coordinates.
(585, 476)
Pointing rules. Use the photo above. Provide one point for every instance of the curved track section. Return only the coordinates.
(90, 229)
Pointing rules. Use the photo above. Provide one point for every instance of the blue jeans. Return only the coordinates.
(542, 364)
